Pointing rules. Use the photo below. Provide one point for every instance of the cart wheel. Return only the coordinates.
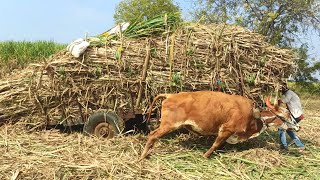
(104, 124)
(154, 121)
(153, 124)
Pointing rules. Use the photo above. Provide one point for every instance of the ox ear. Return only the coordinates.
(256, 113)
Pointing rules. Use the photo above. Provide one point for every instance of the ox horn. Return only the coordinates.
(270, 106)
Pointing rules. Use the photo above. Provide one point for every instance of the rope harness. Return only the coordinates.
(283, 119)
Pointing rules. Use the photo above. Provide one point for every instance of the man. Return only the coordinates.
(293, 103)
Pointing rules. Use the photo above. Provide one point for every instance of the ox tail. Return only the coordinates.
(153, 102)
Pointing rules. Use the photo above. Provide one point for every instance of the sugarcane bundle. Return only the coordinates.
(123, 73)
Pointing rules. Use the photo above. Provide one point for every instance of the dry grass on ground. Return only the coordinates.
(53, 155)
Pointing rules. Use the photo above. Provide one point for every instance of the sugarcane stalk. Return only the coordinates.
(171, 55)
(144, 74)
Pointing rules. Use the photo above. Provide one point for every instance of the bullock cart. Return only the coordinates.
(116, 78)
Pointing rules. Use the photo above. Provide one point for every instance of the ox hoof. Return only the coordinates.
(140, 159)
(206, 155)
(143, 156)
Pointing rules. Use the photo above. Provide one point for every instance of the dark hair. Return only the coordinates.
(284, 87)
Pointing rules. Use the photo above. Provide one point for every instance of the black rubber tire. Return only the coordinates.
(153, 124)
(114, 122)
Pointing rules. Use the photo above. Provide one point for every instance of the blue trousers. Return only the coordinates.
(293, 136)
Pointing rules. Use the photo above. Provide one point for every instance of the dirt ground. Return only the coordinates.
(50, 154)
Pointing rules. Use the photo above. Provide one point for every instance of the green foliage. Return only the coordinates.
(317, 66)
(62, 71)
(305, 88)
(304, 70)
(157, 25)
(176, 79)
(131, 10)
(215, 11)
(250, 79)
(278, 20)
(152, 26)
(17, 54)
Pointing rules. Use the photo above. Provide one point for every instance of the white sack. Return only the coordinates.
(77, 47)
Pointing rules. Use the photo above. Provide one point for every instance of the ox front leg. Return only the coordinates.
(153, 136)
(223, 135)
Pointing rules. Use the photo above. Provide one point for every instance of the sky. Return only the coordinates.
(65, 20)
(60, 20)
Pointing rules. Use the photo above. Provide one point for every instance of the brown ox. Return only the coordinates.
(231, 118)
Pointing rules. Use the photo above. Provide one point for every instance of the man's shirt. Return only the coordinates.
(293, 102)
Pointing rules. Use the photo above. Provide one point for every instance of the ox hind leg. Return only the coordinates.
(153, 136)
(223, 135)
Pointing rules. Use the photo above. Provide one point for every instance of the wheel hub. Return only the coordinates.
(103, 130)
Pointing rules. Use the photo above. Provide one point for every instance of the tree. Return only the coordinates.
(130, 10)
(281, 21)
(304, 70)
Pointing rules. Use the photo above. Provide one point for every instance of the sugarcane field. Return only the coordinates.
(156, 98)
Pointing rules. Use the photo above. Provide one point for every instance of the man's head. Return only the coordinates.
(284, 87)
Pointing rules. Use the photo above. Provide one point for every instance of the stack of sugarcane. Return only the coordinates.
(125, 71)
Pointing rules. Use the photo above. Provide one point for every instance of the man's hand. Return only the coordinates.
(301, 117)
(279, 102)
